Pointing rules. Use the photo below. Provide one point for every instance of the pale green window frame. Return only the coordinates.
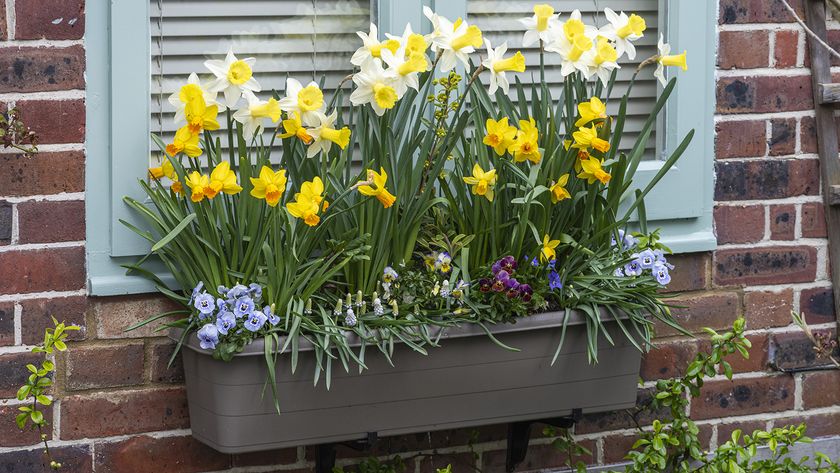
(118, 82)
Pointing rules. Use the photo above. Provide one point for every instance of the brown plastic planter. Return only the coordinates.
(468, 381)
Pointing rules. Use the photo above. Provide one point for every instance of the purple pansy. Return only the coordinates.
(208, 337)
(255, 321)
(222, 290)
(196, 291)
(256, 290)
(502, 275)
(619, 273)
(243, 306)
(237, 292)
(525, 291)
(225, 322)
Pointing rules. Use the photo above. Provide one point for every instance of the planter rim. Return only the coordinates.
(543, 320)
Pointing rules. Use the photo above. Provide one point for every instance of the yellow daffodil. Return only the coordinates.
(482, 182)
(548, 252)
(222, 179)
(623, 30)
(586, 138)
(156, 172)
(307, 101)
(558, 189)
(309, 202)
(377, 189)
(525, 146)
(189, 92)
(199, 116)
(415, 43)
(198, 183)
(591, 111)
(666, 59)
(498, 65)
(592, 170)
(294, 127)
(324, 135)
(186, 142)
(372, 47)
(500, 135)
(233, 76)
(270, 185)
(177, 187)
(539, 27)
(164, 170)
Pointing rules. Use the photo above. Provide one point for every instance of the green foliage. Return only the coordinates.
(15, 134)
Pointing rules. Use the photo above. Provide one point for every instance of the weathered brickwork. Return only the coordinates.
(122, 409)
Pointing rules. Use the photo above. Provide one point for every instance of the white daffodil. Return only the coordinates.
(456, 40)
(572, 41)
(324, 135)
(404, 69)
(603, 59)
(539, 26)
(371, 46)
(498, 65)
(375, 87)
(624, 30)
(410, 42)
(233, 76)
(666, 59)
(307, 101)
(186, 92)
(254, 113)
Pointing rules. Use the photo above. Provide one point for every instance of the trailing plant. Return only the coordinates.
(15, 134)
(35, 390)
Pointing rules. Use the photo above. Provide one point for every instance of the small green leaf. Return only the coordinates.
(37, 417)
(43, 400)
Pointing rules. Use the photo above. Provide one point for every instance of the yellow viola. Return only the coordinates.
(586, 138)
(293, 126)
(591, 111)
(270, 185)
(592, 170)
(186, 142)
(198, 184)
(525, 146)
(482, 182)
(549, 246)
(377, 189)
(558, 189)
(500, 135)
(309, 202)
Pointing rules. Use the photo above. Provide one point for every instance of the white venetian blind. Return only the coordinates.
(499, 21)
(293, 38)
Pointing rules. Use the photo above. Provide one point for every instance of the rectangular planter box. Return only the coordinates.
(468, 381)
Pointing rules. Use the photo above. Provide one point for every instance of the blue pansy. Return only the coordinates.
(205, 304)
(619, 273)
(196, 291)
(222, 290)
(208, 337)
(271, 316)
(256, 290)
(243, 306)
(535, 263)
(255, 321)
(225, 322)
(236, 292)
(633, 268)
(660, 272)
(646, 259)
(554, 281)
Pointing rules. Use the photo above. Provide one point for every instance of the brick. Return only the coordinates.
(813, 220)
(782, 136)
(766, 309)
(817, 305)
(49, 19)
(161, 372)
(538, 458)
(143, 454)
(716, 310)
(55, 121)
(114, 314)
(123, 412)
(739, 223)
(782, 222)
(49, 222)
(764, 94)
(7, 324)
(808, 135)
(283, 456)
(787, 48)
(4, 33)
(616, 420)
(41, 69)
(616, 447)
(5, 223)
(36, 316)
(758, 360)
(43, 174)
(757, 11)
(11, 436)
(690, 271)
(459, 461)
(765, 265)
(668, 360)
(740, 139)
(820, 425)
(52, 269)
(747, 427)
(770, 179)
(722, 398)
(794, 351)
(75, 458)
(820, 389)
(104, 366)
(13, 372)
(743, 49)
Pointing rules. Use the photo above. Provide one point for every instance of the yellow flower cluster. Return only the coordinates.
(521, 143)
(222, 179)
(309, 202)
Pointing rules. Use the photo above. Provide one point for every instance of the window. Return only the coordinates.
(297, 36)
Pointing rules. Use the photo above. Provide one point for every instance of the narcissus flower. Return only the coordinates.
(456, 40)
(371, 46)
(294, 127)
(307, 101)
(373, 86)
(233, 76)
(186, 142)
(498, 65)
(592, 170)
(197, 182)
(270, 185)
(500, 135)
(164, 170)
(665, 59)
(199, 116)
(539, 26)
(558, 189)
(404, 69)
(324, 135)
(482, 182)
(548, 251)
(222, 179)
(309, 202)
(586, 138)
(189, 91)
(571, 42)
(525, 146)
(591, 111)
(412, 43)
(624, 30)
(254, 114)
(375, 187)
(603, 60)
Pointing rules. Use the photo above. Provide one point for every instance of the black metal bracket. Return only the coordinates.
(325, 453)
(519, 435)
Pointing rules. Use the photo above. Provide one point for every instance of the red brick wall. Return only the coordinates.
(122, 410)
